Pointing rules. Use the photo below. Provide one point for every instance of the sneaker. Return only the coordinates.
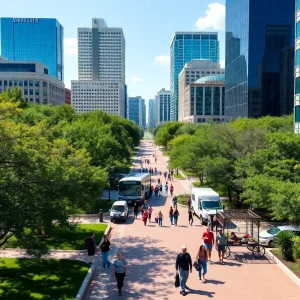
(200, 278)
(103, 269)
(182, 293)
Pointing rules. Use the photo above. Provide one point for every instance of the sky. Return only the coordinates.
(148, 27)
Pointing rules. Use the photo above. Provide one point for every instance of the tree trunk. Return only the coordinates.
(229, 194)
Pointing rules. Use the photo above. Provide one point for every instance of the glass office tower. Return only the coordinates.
(297, 69)
(34, 39)
(186, 46)
(259, 57)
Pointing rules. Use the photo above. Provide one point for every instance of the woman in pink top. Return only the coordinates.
(150, 210)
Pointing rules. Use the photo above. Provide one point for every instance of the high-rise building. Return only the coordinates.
(34, 39)
(101, 70)
(33, 80)
(152, 113)
(297, 70)
(137, 110)
(191, 72)
(258, 56)
(163, 99)
(67, 96)
(186, 46)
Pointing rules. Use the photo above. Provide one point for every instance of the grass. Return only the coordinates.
(179, 176)
(182, 199)
(40, 279)
(293, 266)
(68, 239)
(105, 205)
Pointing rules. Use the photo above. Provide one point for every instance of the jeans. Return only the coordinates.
(105, 260)
(120, 280)
(203, 266)
(171, 219)
(183, 276)
(175, 220)
(159, 221)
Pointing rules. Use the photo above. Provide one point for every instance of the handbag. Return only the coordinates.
(196, 265)
(177, 283)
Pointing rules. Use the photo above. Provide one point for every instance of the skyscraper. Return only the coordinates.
(258, 52)
(101, 70)
(137, 110)
(163, 106)
(297, 70)
(152, 113)
(34, 39)
(186, 46)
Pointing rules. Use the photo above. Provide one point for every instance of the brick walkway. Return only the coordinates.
(151, 252)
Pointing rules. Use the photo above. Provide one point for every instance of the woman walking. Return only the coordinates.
(145, 217)
(160, 218)
(202, 260)
(120, 267)
(171, 215)
(191, 220)
(105, 252)
(175, 216)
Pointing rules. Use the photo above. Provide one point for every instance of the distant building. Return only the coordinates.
(186, 46)
(35, 40)
(204, 100)
(67, 96)
(163, 99)
(190, 73)
(33, 79)
(137, 110)
(152, 113)
(101, 70)
(258, 58)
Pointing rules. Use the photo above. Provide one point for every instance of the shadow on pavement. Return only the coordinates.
(213, 281)
(249, 258)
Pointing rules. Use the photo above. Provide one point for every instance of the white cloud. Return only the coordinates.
(136, 79)
(71, 46)
(163, 60)
(214, 19)
(222, 63)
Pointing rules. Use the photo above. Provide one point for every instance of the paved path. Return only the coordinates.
(151, 252)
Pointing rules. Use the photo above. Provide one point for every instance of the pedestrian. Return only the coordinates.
(171, 215)
(166, 188)
(191, 220)
(169, 176)
(90, 245)
(160, 191)
(156, 191)
(120, 268)
(209, 241)
(155, 170)
(183, 268)
(172, 175)
(221, 243)
(171, 189)
(158, 180)
(160, 218)
(202, 260)
(135, 210)
(105, 252)
(150, 210)
(165, 175)
(174, 201)
(189, 202)
(156, 219)
(145, 217)
(159, 173)
(175, 216)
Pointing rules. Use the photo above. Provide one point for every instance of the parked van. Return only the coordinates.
(119, 211)
(205, 203)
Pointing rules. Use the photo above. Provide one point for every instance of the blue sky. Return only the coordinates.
(148, 27)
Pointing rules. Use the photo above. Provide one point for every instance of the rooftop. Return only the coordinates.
(212, 78)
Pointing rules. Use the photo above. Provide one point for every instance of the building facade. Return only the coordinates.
(186, 46)
(190, 73)
(34, 39)
(33, 79)
(67, 96)
(137, 110)
(152, 113)
(258, 56)
(297, 71)
(101, 58)
(163, 99)
(204, 100)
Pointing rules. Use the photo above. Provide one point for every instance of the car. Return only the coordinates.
(119, 211)
(267, 237)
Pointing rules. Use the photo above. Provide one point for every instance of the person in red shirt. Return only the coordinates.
(145, 217)
(209, 241)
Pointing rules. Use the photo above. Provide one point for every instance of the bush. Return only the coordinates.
(284, 241)
(296, 248)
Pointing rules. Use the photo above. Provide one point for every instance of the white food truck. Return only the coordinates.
(205, 203)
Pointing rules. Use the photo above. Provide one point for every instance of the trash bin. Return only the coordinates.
(101, 216)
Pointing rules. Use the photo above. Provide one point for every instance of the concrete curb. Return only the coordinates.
(284, 268)
(90, 273)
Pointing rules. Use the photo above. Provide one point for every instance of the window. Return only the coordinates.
(297, 87)
(297, 114)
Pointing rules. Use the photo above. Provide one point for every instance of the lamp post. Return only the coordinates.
(111, 176)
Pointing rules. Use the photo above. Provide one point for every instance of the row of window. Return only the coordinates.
(21, 83)
(203, 72)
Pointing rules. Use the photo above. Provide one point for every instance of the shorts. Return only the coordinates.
(208, 246)
(91, 252)
(221, 248)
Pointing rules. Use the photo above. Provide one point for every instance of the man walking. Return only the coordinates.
(221, 242)
(183, 268)
(174, 201)
(90, 245)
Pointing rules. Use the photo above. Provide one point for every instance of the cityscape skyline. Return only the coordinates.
(147, 63)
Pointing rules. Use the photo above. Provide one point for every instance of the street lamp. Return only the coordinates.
(111, 177)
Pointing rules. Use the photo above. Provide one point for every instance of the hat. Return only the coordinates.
(183, 247)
